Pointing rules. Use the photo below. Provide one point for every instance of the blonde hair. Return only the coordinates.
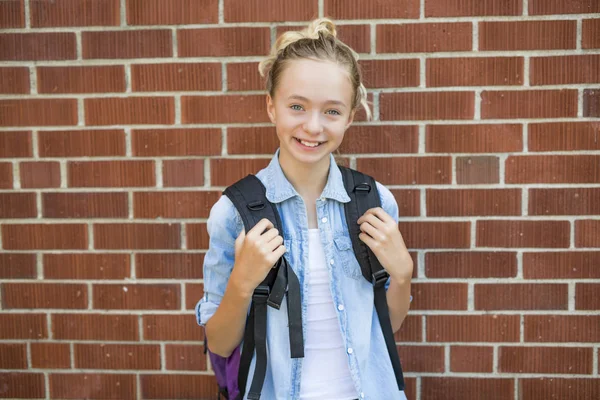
(318, 41)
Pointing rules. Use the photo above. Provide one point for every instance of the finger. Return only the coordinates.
(382, 215)
(368, 240)
(269, 235)
(260, 227)
(371, 231)
(275, 242)
(373, 220)
(240, 239)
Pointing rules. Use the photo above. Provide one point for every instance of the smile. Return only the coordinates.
(309, 144)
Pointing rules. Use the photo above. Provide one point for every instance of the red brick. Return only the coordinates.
(591, 103)
(93, 386)
(42, 174)
(545, 360)
(176, 77)
(15, 144)
(74, 13)
(252, 140)
(174, 204)
(38, 46)
(424, 37)
(563, 136)
(590, 38)
(523, 233)
(161, 386)
(85, 205)
(366, 139)
(137, 297)
(356, 9)
(50, 355)
(473, 328)
(14, 80)
(358, 37)
(586, 296)
(45, 236)
(473, 202)
(176, 142)
(197, 236)
(22, 385)
(562, 328)
(86, 266)
(223, 109)
(172, 12)
(439, 296)
(116, 356)
(472, 8)
(44, 295)
(75, 79)
(13, 355)
(426, 105)
(587, 233)
(244, 76)
(33, 112)
(521, 296)
(409, 202)
(193, 293)
(477, 170)
(471, 138)
(553, 169)
(559, 388)
(423, 235)
(475, 71)
(169, 265)
(576, 201)
(411, 329)
(23, 326)
(111, 173)
(137, 236)
(435, 388)
(471, 359)
(408, 170)
(183, 173)
(479, 264)
(559, 70)
(223, 42)
(172, 328)
(527, 35)
(12, 14)
(88, 143)
(127, 44)
(529, 104)
(185, 357)
(129, 110)
(390, 73)
(548, 7)
(17, 266)
(422, 358)
(269, 10)
(6, 175)
(18, 205)
(104, 327)
(561, 265)
(226, 171)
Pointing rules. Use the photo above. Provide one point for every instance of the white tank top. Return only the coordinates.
(325, 370)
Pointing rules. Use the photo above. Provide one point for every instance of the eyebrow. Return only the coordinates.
(301, 98)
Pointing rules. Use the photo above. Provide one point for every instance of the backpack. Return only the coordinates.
(249, 197)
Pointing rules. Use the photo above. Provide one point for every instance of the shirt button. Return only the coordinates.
(341, 307)
(332, 262)
(350, 350)
(323, 199)
(362, 395)
(323, 220)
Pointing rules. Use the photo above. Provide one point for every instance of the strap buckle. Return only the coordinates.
(362, 187)
(261, 294)
(380, 278)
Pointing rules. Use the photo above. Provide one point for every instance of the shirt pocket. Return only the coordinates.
(346, 256)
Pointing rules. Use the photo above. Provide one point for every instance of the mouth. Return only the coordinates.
(308, 143)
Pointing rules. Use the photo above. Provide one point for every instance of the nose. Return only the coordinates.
(313, 124)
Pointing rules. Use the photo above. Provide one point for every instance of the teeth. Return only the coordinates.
(309, 144)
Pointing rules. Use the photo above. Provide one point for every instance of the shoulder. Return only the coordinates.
(224, 220)
(388, 201)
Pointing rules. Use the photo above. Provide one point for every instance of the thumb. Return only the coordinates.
(240, 240)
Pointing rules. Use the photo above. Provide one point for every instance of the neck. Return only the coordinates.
(309, 180)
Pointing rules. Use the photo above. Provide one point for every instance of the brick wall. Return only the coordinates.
(122, 121)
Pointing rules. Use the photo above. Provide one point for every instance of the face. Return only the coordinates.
(311, 110)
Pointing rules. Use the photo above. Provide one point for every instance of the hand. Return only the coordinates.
(255, 255)
(380, 232)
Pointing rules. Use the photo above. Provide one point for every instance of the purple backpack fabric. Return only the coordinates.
(226, 372)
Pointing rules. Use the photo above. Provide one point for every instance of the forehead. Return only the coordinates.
(316, 80)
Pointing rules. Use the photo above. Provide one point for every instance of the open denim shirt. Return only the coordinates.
(352, 295)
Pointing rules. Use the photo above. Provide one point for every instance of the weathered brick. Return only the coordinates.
(6, 175)
(590, 38)
(424, 37)
(426, 105)
(185, 357)
(197, 236)
(129, 110)
(183, 173)
(169, 265)
(85, 205)
(176, 142)
(14, 80)
(12, 14)
(390, 73)
(105, 327)
(561, 265)
(44, 236)
(172, 328)
(576, 201)
(86, 266)
(591, 103)
(562, 328)
(171, 386)
(18, 266)
(522, 296)
(476, 264)
(422, 235)
(44, 295)
(87, 143)
(439, 296)
(93, 386)
(361, 139)
(15, 144)
(226, 171)
(223, 42)
(473, 202)
(172, 12)
(125, 173)
(176, 77)
(527, 35)
(422, 358)
(563, 136)
(38, 112)
(269, 10)
(409, 202)
(358, 37)
(50, 355)
(553, 169)
(41, 174)
(471, 359)
(408, 170)
(474, 71)
(523, 233)
(545, 360)
(587, 233)
(136, 297)
(561, 70)
(411, 329)
(170, 204)
(548, 7)
(76, 79)
(137, 236)
(193, 293)
(474, 138)
(477, 170)
(23, 326)
(434, 388)
(252, 140)
(18, 205)
(22, 385)
(356, 9)
(472, 8)
(586, 296)
(38, 46)
(473, 328)
(13, 355)
(223, 109)
(116, 356)
(559, 388)
(529, 104)
(74, 13)
(127, 44)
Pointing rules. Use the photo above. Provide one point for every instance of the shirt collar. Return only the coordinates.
(280, 189)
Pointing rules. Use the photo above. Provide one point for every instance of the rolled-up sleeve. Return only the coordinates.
(223, 225)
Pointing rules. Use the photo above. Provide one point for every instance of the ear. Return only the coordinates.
(350, 119)
(271, 108)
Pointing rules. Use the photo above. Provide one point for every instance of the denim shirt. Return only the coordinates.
(352, 295)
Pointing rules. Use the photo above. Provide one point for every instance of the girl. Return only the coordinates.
(314, 89)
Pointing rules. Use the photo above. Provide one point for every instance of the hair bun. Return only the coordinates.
(324, 25)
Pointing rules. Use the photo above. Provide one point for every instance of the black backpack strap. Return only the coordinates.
(249, 197)
(364, 195)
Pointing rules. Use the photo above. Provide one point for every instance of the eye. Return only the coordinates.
(296, 107)
(335, 112)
